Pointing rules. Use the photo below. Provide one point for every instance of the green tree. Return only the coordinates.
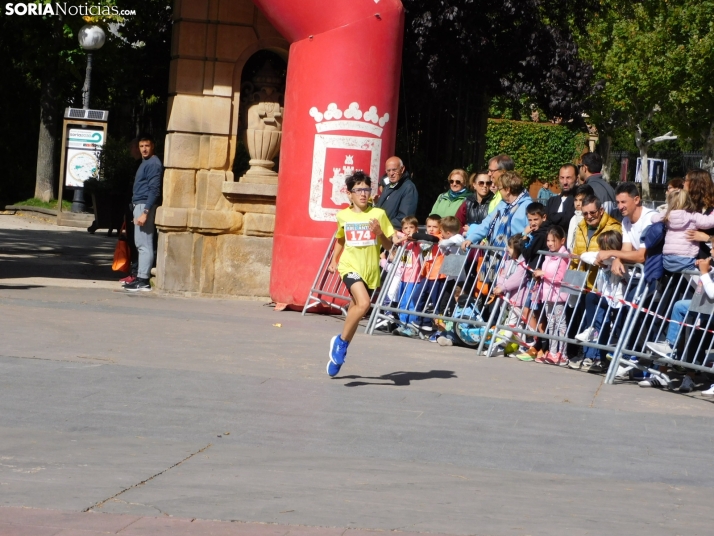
(654, 63)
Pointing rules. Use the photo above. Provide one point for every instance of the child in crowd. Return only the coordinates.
(410, 286)
(681, 216)
(550, 275)
(361, 230)
(599, 310)
(534, 240)
(581, 192)
(431, 278)
(512, 284)
(449, 245)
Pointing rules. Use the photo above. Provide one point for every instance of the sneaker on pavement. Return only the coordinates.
(597, 366)
(529, 355)
(338, 350)
(434, 337)
(575, 363)
(709, 392)
(687, 385)
(338, 353)
(589, 335)
(661, 348)
(587, 363)
(140, 285)
(555, 359)
(653, 381)
(407, 332)
(444, 341)
(128, 279)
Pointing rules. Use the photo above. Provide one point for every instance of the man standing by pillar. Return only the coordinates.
(147, 189)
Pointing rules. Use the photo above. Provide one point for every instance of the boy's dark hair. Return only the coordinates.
(434, 217)
(593, 161)
(450, 225)
(356, 177)
(410, 220)
(516, 243)
(557, 231)
(629, 188)
(147, 137)
(584, 189)
(536, 209)
(593, 200)
(610, 241)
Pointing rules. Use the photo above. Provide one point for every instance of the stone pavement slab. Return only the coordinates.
(167, 409)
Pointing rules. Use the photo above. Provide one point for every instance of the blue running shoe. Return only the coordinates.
(338, 353)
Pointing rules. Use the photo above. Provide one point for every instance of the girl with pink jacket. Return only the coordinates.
(681, 216)
(551, 273)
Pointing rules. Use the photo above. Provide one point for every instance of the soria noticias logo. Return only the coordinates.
(42, 9)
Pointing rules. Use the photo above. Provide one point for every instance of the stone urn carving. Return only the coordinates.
(262, 110)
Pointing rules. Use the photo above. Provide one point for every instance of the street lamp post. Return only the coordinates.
(91, 38)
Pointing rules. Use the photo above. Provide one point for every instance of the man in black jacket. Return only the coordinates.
(400, 197)
(561, 208)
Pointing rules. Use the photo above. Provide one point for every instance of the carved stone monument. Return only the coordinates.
(262, 103)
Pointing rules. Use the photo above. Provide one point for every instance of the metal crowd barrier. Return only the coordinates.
(422, 286)
(451, 288)
(675, 295)
(328, 289)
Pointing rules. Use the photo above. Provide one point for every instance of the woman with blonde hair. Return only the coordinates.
(450, 201)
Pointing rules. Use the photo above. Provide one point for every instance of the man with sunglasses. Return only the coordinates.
(399, 197)
(561, 208)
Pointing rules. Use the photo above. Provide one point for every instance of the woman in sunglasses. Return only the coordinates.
(449, 202)
(478, 205)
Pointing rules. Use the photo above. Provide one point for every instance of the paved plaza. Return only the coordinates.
(148, 414)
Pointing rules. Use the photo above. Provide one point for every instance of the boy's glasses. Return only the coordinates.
(361, 191)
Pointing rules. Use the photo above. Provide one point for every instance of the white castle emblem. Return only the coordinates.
(355, 121)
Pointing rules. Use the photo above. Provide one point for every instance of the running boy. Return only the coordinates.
(361, 229)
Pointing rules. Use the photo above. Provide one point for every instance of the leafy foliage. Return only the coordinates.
(539, 149)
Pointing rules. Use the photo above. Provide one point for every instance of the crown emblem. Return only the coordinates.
(351, 119)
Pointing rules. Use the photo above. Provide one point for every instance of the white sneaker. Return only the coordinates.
(687, 385)
(709, 392)
(589, 335)
(623, 373)
(661, 348)
(444, 341)
(586, 364)
(653, 381)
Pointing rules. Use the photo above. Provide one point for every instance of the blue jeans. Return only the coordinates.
(430, 294)
(144, 239)
(679, 313)
(408, 299)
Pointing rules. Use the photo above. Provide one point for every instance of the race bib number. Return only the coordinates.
(358, 234)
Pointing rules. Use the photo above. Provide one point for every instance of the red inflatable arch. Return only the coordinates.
(341, 104)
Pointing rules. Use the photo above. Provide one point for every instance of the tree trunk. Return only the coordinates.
(708, 156)
(643, 147)
(606, 153)
(45, 175)
(46, 172)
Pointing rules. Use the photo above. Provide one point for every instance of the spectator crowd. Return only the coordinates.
(586, 226)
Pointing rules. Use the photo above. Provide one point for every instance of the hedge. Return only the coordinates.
(538, 149)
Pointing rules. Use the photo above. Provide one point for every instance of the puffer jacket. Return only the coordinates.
(513, 279)
(607, 223)
(445, 205)
(681, 221)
